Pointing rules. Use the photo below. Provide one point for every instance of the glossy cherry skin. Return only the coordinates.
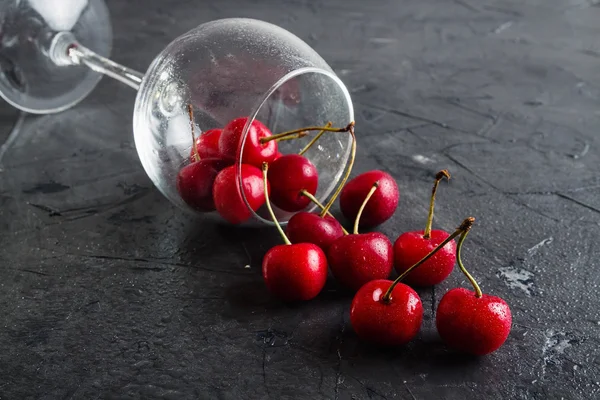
(359, 258)
(207, 145)
(305, 227)
(387, 324)
(382, 204)
(227, 197)
(278, 155)
(254, 152)
(411, 247)
(289, 175)
(473, 325)
(195, 183)
(295, 272)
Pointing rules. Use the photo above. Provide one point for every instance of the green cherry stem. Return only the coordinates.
(363, 205)
(292, 136)
(438, 177)
(462, 238)
(190, 111)
(308, 128)
(265, 169)
(313, 140)
(348, 170)
(321, 206)
(465, 226)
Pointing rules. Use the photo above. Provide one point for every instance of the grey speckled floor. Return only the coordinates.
(122, 296)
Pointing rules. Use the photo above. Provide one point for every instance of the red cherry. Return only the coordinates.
(292, 272)
(207, 145)
(359, 258)
(475, 325)
(410, 247)
(382, 205)
(195, 183)
(278, 155)
(289, 175)
(305, 227)
(472, 322)
(295, 272)
(388, 323)
(254, 152)
(227, 197)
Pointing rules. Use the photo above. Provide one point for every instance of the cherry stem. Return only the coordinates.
(265, 169)
(438, 177)
(292, 137)
(191, 116)
(318, 203)
(308, 128)
(465, 226)
(313, 140)
(462, 238)
(363, 205)
(348, 171)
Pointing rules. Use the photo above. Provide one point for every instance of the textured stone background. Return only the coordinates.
(107, 291)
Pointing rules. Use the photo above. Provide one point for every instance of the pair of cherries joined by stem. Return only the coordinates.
(354, 259)
(390, 313)
(323, 229)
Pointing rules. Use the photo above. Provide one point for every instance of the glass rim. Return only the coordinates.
(252, 117)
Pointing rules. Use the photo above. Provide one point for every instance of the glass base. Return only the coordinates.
(29, 79)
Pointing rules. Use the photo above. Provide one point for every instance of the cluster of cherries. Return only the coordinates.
(211, 181)
(383, 311)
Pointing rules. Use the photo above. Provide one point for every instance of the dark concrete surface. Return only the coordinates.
(108, 292)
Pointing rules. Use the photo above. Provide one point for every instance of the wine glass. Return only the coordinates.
(53, 53)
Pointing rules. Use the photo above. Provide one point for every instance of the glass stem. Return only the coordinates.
(66, 50)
